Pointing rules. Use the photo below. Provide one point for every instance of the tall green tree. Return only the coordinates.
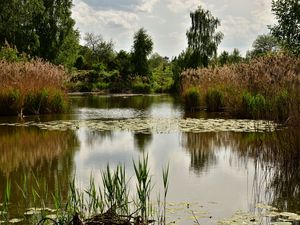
(17, 25)
(287, 30)
(203, 40)
(142, 48)
(53, 25)
(38, 27)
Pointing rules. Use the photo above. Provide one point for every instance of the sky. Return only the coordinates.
(167, 21)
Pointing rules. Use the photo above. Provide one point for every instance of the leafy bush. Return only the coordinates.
(214, 100)
(191, 99)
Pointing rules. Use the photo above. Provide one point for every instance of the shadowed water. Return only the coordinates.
(213, 172)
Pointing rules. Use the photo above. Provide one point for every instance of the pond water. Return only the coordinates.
(217, 166)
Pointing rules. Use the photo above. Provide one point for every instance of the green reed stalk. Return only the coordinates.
(144, 185)
(165, 174)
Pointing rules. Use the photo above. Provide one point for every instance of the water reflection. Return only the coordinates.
(142, 141)
(237, 170)
(202, 150)
(43, 158)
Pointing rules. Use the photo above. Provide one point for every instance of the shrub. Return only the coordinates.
(191, 99)
(214, 100)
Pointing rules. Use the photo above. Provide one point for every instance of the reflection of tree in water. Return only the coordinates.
(142, 140)
(284, 156)
(201, 146)
(276, 158)
(277, 167)
(94, 137)
(45, 156)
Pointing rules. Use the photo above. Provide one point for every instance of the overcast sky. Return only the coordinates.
(166, 21)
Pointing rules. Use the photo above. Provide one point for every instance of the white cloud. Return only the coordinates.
(183, 5)
(86, 16)
(168, 20)
(147, 5)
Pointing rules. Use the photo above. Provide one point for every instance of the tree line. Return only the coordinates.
(45, 29)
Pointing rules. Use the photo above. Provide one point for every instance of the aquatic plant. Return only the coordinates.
(191, 99)
(33, 87)
(263, 77)
(214, 100)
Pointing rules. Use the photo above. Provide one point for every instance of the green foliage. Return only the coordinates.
(35, 102)
(264, 44)
(214, 100)
(141, 85)
(142, 47)
(39, 28)
(9, 102)
(9, 54)
(287, 31)
(254, 106)
(142, 173)
(124, 64)
(202, 38)
(226, 58)
(68, 53)
(192, 99)
(282, 105)
(80, 63)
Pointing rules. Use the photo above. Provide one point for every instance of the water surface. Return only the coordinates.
(213, 172)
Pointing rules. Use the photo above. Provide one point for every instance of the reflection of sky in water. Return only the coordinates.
(224, 186)
(155, 111)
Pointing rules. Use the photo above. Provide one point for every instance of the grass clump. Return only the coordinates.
(34, 87)
(192, 99)
(214, 100)
(254, 106)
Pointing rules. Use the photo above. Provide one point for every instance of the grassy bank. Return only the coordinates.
(266, 87)
(34, 87)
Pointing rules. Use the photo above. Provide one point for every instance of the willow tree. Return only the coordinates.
(203, 39)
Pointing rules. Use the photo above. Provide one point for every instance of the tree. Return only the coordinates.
(223, 58)
(53, 25)
(40, 28)
(235, 56)
(123, 63)
(287, 31)
(142, 48)
(203, 40)
(264, 44)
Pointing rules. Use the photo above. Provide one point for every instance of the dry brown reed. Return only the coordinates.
(267, 76)
(24, 78)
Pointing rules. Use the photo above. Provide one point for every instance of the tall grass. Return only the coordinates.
(31, 87)
(104, 204)
(191, 99)
(270, 79)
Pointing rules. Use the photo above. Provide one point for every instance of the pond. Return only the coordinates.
(218, 165)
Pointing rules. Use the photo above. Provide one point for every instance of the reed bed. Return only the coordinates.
(31, 87)
(106, 203)
(273, 79)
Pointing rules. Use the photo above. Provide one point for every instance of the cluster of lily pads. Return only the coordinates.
(161, 125)
(265, 214)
